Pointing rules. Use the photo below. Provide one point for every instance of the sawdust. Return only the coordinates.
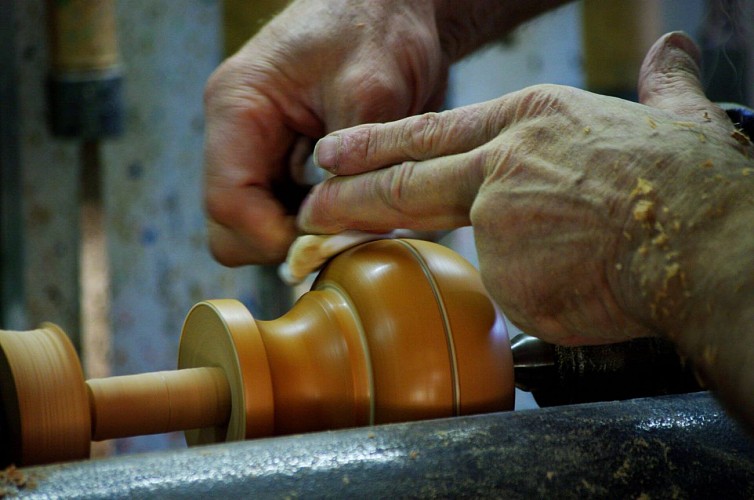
(643, 187)
(13, 479)
(740, 137)
(661, 240)
(644, 211)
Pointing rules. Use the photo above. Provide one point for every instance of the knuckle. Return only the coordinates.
(376, 97)
(541, 100)
(216, 83)
(217, 207)
(322, 205)
(398, 180)
(423, 133)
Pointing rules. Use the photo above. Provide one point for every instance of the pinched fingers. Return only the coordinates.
(430, 135)
(426, 195)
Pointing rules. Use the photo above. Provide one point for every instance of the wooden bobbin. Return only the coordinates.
(392, 330)
(45, 413)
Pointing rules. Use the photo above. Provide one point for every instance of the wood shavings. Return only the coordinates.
(12, 476)
(688, 125)
(13, 479)
(740, 137)
(644, 211)
(309, 252)
(661, 240)
(672, 255)
(643, 187)
(671, 271)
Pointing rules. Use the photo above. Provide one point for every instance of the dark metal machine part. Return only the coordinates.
(673, 446)
(557, 375)
(742, 117)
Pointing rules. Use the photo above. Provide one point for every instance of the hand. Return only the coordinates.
(587, 209)
(319, 66)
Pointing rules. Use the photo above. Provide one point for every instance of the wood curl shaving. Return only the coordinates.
(13, 479)
(644, 211)
(643, 187)
(740, 137)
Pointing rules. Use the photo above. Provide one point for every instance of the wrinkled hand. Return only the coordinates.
(319, 66)
(584, 207)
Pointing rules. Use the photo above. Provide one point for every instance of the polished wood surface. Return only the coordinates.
(392, 330)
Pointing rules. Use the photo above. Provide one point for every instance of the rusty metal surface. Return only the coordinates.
(674, 446)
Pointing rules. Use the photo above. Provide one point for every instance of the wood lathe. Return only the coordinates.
(392, 330)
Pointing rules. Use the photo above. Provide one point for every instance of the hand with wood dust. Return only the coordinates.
(596, 219)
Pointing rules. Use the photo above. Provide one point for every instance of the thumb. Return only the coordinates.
(669, 78)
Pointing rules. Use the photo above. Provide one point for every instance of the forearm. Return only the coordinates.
(465, 26)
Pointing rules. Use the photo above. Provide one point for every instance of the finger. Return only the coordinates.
(378, 86)
(669, 79)
(261, 232)
(428, 195)
(246, 144)
(368, 147)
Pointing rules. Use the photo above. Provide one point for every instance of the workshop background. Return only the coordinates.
(102, 228)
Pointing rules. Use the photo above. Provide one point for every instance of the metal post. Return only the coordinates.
(12, 312)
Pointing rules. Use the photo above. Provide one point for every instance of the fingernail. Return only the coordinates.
(681, 40)
(326, 152)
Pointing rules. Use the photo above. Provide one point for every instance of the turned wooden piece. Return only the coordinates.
(392, 330)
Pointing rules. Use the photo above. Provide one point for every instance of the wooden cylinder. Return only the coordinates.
(153, 403)
(82, 35)
(44, 414)
(616, 36)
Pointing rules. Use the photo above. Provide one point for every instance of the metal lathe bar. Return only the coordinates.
(674, 446)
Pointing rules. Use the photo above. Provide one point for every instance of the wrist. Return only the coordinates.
(691, 278)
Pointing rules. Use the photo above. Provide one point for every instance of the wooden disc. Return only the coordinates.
(223, 334)
(44, 397)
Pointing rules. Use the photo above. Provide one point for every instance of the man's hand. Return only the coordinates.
(323, 65)
(317, 67)
(585, 207)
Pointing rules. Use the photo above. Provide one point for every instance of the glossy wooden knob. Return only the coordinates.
(392, 330)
